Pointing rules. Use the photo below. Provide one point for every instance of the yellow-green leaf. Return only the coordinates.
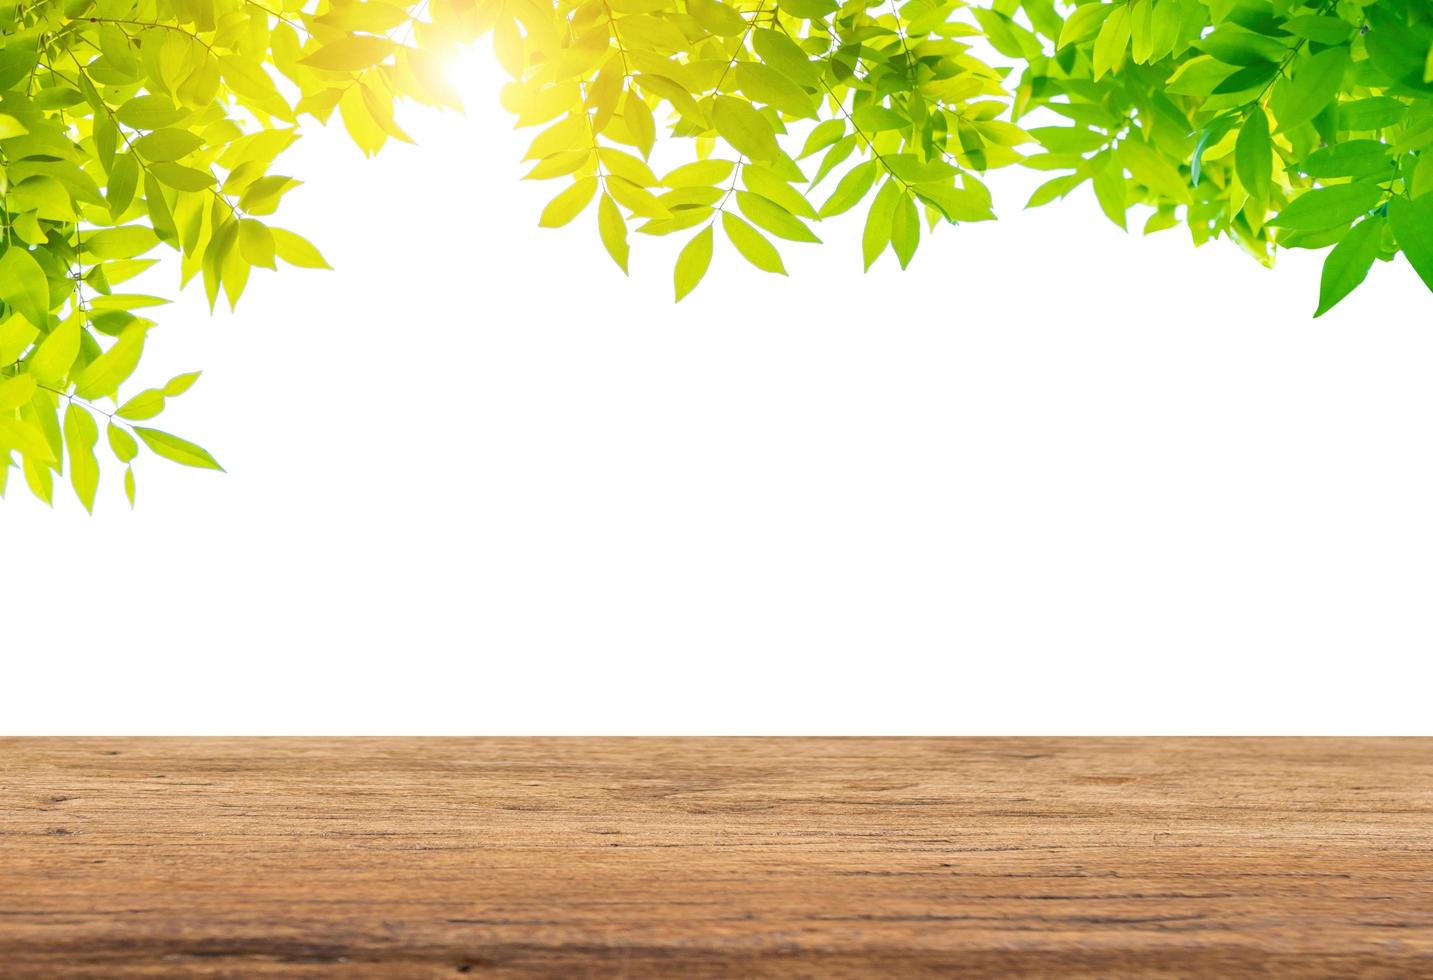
(167, 144)
(296, 250)
(635, 199)
(703, 173)
(23, 284)
(107, 372)
(905, 229)
(23, 435)
(16, 391)
(569, 204)
(693, 261)
(121, 443)
(180, 383)
(752, 245)
(178, 450)
(352, 53)
(81, 434)
(57, 352)
(16, 335)
(853, 186)
(1112, 41)
(766, 214)
(145, 405)
(744, 128)
(876, 234)
(182, 178)
(613, 230)
(256, 243)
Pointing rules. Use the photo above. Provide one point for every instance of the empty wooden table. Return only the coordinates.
(696, 858)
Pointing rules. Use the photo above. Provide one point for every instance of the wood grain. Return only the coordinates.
(706, 858)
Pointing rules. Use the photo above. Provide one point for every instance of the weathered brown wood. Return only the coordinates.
(507, 858)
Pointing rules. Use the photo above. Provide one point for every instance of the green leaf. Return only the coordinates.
(107, 372)
(121, 443)
(123, 179)
(872, 119)
(1111, 191)
(744, 128)
(1254, 156)
(256, 243)
(1199, 76)
(692, 262)
(1412, 224)
(1324, 30)
(176, 449)
(1328, 207)
(905, 229)
(1233, 44)
(876, 234)
(182, 178)
(150, 112)
(765, 85)
(23, 285)
(1393, 47)
(1153, 170)
(167, 144)
(145, 405)
(296, 250)
(768, 184)
(635, 199)
(119, 243)
(248, 79)
(37, 475)
(1111, 42)
(1256, 76)
(751, 244)
(16, 335)
(716, 17)
(1313, 86)
(853, 186)
(56, 354)
(969, 203)
(808, 9)
(823, 135)
(1348, 262)
(786, 56)
(1366, 115)
(775, 219)
(24, 436)
(16, 391)
(81, 434)
(1351, 158)
(703, 173)
(1084, 23)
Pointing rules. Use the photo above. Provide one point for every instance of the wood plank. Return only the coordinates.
(706, 858)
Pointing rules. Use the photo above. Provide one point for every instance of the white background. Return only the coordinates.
(1052, 479)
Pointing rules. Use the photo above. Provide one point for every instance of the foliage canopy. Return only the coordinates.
(126, 125)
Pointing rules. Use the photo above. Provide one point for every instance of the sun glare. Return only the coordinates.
(476, 75)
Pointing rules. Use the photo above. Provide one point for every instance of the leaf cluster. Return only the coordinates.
(128, 126)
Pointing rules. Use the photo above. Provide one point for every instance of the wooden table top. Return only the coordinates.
(706, 858)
